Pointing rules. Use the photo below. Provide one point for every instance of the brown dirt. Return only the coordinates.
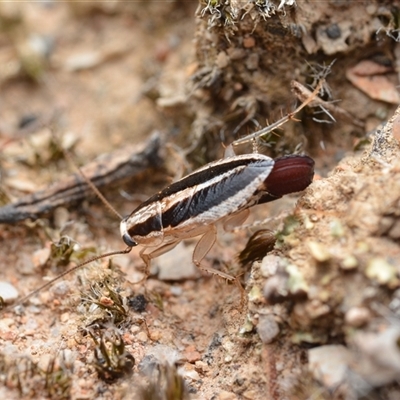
(108, 74)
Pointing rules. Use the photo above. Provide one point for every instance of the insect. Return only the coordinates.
(221, 191)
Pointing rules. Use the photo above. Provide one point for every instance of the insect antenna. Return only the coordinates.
(100, 195)
(283, 120)
(62, 275)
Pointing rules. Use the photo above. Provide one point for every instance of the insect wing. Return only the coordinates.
(227, 193)
(204, 196)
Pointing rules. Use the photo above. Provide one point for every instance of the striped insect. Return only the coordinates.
(221, 191)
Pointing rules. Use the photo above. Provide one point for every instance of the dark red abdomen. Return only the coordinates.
(290, 174)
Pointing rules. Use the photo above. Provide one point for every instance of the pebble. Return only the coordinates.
(319, 251)
(202, 366)
(357, 316)
(8, 292)
(191, 354)
(177, 265)
(25, 264)
(142, 337)
(252, 61)
(329, 364)
(222, 60)
(224, 395)
(176, 290)
(250, 394)
(61, 289)
(41, 256)
(275, 290)
(5, 323)
(187, 372)
(255, 294)
(65, 317)
(236, 54)
(269, 265)
(378, 355)
(394, 232)
(350, 262)
(381, 271)
(44, 361)
(267, 328)
(249, 42)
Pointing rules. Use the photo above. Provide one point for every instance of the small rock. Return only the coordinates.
(378, 356)
(138, 303)
(349, 263)
(222, 60)
(44, 361)
(8, 292)
(267, 328)
(177, 265)
(249, 42)
(296, 283)
(247, 327)
(329, 364)
(202, 366)
(60, 289)
(252, 62)
(394, 232)
(83, 61)
(65, 317)
(61, 217)
(41, 256)
(228, 359)
(357, 316)
(269, 265)
(275, 289)
(156, 335)
(319, 251)
(25, 264)
(236, 54)
(224, 395)
(188, 372)
(333, 31)
(191, 354)
(250, 394)
(336, 228)
(381, 271)
(316, 309)
(255, 294)
(176, 290)
(5, 323)
(142, 337)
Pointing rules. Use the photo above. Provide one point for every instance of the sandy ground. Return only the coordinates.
(94, 75)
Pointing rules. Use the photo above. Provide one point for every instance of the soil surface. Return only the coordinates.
(170, 84)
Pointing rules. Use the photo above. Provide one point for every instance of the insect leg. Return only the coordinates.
(203, 246)
(235, 220)
(147, 255)
(229, 152)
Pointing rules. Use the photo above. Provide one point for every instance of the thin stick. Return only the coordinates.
(283, 120)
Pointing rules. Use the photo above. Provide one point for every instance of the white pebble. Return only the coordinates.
(8, 292)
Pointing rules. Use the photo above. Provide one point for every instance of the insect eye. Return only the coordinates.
(128, 240)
